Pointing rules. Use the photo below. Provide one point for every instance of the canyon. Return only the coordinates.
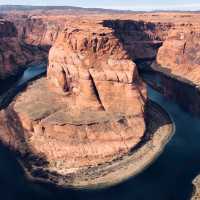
(92, 108)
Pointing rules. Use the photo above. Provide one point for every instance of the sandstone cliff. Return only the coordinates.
(178, 61)
(179, 54)
(26, 39)
(38, 31)
(13, 53)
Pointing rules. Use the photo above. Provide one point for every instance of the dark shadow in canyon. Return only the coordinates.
(14, 182)
(8, 82)
(140, 40)
(18, 85)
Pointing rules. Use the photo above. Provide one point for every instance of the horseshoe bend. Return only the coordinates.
(91, 121)
(90, 118)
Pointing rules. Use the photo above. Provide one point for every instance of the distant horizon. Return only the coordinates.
(117, 9)
(138, 5)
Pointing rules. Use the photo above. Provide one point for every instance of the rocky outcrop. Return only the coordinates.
(38, 31)
(68, 138)
(8, 43)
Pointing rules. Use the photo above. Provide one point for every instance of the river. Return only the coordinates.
(168, 178)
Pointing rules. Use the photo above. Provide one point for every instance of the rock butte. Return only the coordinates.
(90, 109)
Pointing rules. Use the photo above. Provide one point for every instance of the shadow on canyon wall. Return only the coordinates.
(15, 185)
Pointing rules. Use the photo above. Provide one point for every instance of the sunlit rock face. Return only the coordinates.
(97, 59)
(90, 69)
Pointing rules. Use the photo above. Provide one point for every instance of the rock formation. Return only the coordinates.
(25, 39)
(98, 102)
(139, 38)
